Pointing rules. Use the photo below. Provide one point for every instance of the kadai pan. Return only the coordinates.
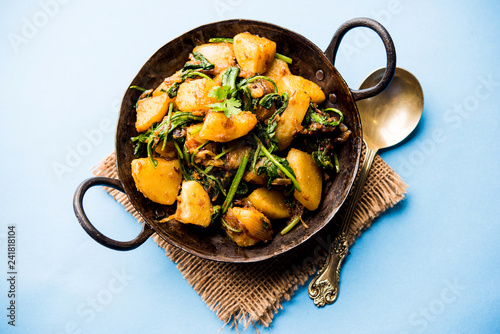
(309, 62)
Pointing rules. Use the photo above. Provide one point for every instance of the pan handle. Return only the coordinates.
(91, 230)
(331, 53)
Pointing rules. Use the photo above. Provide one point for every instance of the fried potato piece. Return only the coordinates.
(166, 150)
(278, 70)
(151, 110)
(193, 139)
(160, 184)
(219, 54)
(309, 177)
(251, 177)
(193, 205)
(290, 83)
(253, 226)
(290, 120)
(193, 95)
(253, 53)
(217, 127)
(270, 202)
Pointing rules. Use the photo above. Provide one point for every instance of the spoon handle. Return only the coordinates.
(324, 288)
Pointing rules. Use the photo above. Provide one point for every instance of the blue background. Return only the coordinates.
(429, 265)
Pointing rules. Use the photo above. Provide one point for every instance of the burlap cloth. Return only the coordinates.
(253, 293)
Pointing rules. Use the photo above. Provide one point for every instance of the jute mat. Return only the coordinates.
(253, 293)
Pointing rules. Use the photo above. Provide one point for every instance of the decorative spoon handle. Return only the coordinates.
(324, 288)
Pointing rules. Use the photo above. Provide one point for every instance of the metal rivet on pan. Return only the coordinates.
(320, 75)
(332, 98)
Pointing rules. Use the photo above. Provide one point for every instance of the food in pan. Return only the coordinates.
(233, 138)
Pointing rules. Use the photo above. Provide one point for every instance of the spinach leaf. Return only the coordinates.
(326, 120)
(245, 82)
(203, 64)
(273, 164)
(229, 80)
(268, 100)
(324, 153)
(272, 170)
(269, 133)
(160, 132)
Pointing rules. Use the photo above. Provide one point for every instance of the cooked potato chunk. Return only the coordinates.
(260, 87)
(270, 202)
(160, 184)
(193, 205)
(278, 70)
(166, 150)
(254, 53)
(242, 239)
(247, 226)
(217, 127)
(289, 122)
(193, 95)
(290, 83)
(193, 133)
(193, 140)
(251, 177)
(151, 110)
(219, 54)
(309, 177)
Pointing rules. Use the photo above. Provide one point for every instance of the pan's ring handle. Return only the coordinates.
(91, 230)
(331, 53)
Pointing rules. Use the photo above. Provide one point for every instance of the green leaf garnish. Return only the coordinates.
(218, 93)
(229, 104)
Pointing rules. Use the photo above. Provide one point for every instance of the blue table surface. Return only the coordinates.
(429, 265)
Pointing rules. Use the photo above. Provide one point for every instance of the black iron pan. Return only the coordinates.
(309, 62)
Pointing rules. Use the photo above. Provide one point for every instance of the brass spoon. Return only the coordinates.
(386, 119)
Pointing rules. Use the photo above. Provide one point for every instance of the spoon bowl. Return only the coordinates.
(386, 119)
(389, 117)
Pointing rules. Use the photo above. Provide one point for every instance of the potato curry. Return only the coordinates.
(234, 139)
